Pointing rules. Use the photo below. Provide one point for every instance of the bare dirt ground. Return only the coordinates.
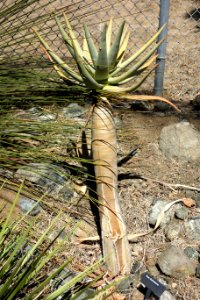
(142, 131)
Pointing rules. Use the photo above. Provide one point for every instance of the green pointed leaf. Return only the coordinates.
(140, 70)
(113, 53)
(134, 68)
(122, 49)
(109, 35)
(88, 79)
(74, 40)
(58, 60)
(117, 89)
(101, 74)
(91, 45)
(65, 37)
(138, 53)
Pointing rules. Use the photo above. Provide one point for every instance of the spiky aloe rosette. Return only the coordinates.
(104, 69)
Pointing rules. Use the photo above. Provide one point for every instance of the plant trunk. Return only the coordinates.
(104, 149)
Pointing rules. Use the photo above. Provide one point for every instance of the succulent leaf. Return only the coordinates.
(91, 45)
(109, 35)
(135, 67)
(101, 74)
(65, 37)
(58, 60)
(138, 53)
(113, 53)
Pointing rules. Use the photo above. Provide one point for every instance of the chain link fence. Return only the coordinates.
(182, 69)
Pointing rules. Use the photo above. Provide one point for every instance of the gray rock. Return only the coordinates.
(47, 117)
(29, 205)
(66, 276)
(174, 263)
(156, 208)
(180, 141)
(182, 213)
(167, 296)
(35, 110)
(173, 230)
(73, 110)
(49, 177)
(192, 253)
(6, 173)
(192, 229)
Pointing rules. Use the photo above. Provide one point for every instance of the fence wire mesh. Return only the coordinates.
(142, 17)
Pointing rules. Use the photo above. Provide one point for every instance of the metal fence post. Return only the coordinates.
(159, 74)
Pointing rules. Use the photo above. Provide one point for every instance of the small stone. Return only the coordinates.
(47, 117)
(174, 285)
(35, 110)
(191, 253)
(173, 230)
(6, 173)
(197, 273)
(125, 284)
(29, 205)
(156, 208)
(182, 213)
(167, 296)
(73, 110)
(197, 200)
(192, 228)
(174, 263)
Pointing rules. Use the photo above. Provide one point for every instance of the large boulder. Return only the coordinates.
(180, 141)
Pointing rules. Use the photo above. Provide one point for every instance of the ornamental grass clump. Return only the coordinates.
(103, 71)
(27, 270)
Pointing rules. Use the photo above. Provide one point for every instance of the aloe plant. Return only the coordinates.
(102, 72)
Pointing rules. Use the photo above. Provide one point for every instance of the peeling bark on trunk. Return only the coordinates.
(104, 149)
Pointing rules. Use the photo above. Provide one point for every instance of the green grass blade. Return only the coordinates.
(68, 285)
(5, 225)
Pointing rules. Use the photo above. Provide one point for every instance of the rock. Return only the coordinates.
(167, 296)
(182, 213)
(197, 272)
(51, 178)
(6, 173)
(47, 117)
(73, 110)
(174, 263)
(29, 205)
(173, 230)
(180, 141)
(197, 200)
(192, 229)
(156, 208)
(35, 110)
(192, 253)
(66, 276)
